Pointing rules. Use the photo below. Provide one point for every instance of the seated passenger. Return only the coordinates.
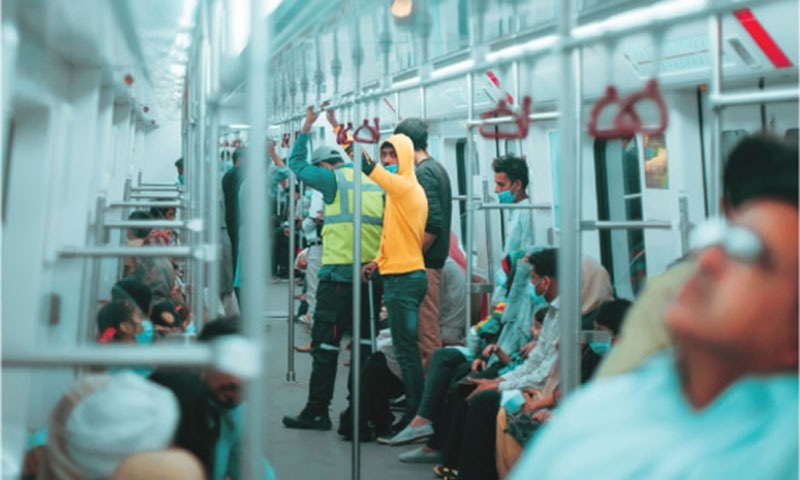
(515, 428)
(472, 423)
(136, 238)
(102, 420)
(139, 293)
(724, 402)
(211, 410)
(119, 321)
(744, 179)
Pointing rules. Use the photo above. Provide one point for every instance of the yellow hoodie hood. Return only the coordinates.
(404, 148)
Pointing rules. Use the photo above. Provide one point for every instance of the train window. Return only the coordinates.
(6, 166)
(656, 162)
(619, 197)
(555, 166)
(461, 155)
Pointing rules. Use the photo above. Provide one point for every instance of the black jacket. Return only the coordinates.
(436, 182)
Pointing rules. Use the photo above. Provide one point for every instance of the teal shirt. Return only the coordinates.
(227, 455)
(639, 425)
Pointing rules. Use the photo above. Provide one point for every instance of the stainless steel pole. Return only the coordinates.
(355, 349)
(569, 258)
(254, 268)
(468, 160)
(290, 373)
(713, 188)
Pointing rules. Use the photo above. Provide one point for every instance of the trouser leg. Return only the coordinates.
(428, 330)
(325, 338)
(402, 296)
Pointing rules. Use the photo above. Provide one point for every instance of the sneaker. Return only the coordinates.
(309, 421)
(419, 455)
(408, 435)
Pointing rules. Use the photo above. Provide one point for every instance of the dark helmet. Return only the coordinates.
(326, 154)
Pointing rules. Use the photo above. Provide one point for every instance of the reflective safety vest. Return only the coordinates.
(337, 232)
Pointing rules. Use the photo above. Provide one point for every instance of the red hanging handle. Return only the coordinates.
(649, 92)
(626, 121)
(285, 140)
(371, 135)
(341, 136)
(502, 110)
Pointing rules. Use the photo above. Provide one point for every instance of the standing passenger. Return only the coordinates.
(330, 175)
(511, 182)
(231, 183)
(400, 261)
(436, 240)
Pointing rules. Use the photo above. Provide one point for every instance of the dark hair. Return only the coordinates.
(160, 212)
(135, 291)
(161, 308)
(140, 215)
(545, 262)
(761, 167)
(179, 163)
(540, 315)
(111, 316)
(416, 130)
(514, 167)
(237, 154)
(612, 313)
(220, 327)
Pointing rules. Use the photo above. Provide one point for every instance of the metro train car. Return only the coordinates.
(134, 212)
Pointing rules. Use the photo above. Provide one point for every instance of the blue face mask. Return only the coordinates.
(500, 277)
(506, 196)
(147, 333)
(512, 401)
(391, 168)
(180, 179)
(600, 348)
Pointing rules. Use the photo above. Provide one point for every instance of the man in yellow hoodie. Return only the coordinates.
(399, 260)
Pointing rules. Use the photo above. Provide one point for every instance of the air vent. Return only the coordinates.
(743, 53)
(676, 56)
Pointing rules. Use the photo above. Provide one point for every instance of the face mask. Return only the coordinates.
(512, 401)
(147, 333)
(600, 348)
(506, 196)
(500, 277)
(538, 300)
(180, 179)
(391, 168)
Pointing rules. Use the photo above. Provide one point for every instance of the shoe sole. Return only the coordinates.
(407, 441)
(303, 426)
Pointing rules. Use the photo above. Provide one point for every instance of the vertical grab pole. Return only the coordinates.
(198, 289)
(290, 374)
(569, 257)
(85, 334)
(714, 176)
(213, 227)
(470, 201)
(684, 225)
(355, 349)
(254, 269)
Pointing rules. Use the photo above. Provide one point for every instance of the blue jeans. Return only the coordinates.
(403, 295)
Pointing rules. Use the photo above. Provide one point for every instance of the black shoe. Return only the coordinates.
(309, 421)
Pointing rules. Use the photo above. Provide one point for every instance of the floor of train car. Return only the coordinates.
(309, 454)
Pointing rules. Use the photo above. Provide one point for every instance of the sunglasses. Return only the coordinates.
(738, 242)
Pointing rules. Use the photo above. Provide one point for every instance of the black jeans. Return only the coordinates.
(332, 319)
(378, 386)
(471, 442)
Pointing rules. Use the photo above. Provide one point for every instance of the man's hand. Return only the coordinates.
(368, 270)
(367, 163)
(526, 350)
(271, 147)
(311, 117)
(330, 114)
(483, 386)
(478, 365)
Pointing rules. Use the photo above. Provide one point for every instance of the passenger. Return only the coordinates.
(724, 402)
(119, 321)
(400, 261)
(472, 423)
(171, 464)
(511, 183)
(644, 332)
(102, 420)
(515, 429)
(139, 293)
(312, 229)
(136, 238)
(436, 241)
(450, 364)
(211, 409)
(231, 183)
(381, 376)
(158, 273)
(333, 316)
(179, 168)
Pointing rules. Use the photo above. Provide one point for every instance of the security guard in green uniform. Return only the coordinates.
(333, 177)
